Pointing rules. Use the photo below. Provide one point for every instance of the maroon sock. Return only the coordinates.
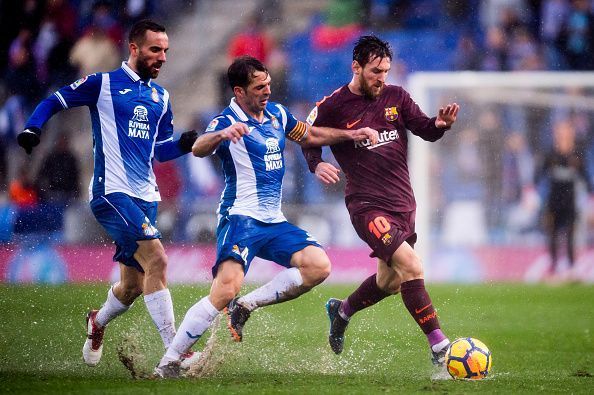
(417, 301)
(366, 295)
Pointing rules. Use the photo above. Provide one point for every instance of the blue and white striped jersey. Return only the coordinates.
(132, 122)
(254, 167)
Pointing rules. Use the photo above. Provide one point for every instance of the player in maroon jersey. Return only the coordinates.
(378, 195)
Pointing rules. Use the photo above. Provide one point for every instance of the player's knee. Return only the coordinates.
(315, 271)
(411, 268)
(157, 264)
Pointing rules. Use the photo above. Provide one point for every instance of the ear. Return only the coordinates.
(133, 48)
(356, 67)
(238, 91)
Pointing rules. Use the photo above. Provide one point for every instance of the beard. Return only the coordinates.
(368, 90)
(145, 70)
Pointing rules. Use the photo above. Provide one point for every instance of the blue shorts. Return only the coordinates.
(126, 219)
(242, 238)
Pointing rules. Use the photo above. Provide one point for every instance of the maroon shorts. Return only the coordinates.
(384, 231)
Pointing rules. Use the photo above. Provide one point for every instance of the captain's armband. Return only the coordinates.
(299, 132)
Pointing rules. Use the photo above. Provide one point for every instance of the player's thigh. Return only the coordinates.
(239, 238)
(127, 220)
(384, 231)
(285, 240)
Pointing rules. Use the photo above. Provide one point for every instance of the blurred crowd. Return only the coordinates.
(45, 44)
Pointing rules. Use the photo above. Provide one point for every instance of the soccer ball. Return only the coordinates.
(468, 358)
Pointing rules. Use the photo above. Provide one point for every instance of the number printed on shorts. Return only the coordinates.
(379, 226)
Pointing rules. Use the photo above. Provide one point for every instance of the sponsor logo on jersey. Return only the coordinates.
(212, 125)
(391, 113)
(273, 158)
(155, 95)
(78, 83)
(311, 118)
(124, 91)
(138, 126)
(384, 137)
(274, 121)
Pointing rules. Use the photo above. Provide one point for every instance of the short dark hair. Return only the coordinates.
(139, 29)
(242, 70)
(370, 47)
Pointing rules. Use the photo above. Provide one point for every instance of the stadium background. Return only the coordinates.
(484, 211)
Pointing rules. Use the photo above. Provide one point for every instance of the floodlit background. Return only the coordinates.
(519, 69)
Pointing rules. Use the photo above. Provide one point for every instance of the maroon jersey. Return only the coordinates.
(375, 175)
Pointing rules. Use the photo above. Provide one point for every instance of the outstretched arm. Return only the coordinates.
(319, 136)
(207, 143)
(172, 149)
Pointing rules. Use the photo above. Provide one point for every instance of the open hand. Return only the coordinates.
(447, 116)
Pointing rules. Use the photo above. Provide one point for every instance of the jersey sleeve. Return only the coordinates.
(417, 122)
(219, 122)
(84, 91)
(165, 127)
(313, 155)
(294, 129)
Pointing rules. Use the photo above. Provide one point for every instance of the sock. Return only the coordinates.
(437, 347)
(417, 301)
(284, 286)
(111, 309)
(366, 295)
(160, 308)
(195, 323)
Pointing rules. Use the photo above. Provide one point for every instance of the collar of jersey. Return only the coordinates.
(239, 113)
(132, 74)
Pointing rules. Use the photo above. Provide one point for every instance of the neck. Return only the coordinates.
(355, 87)
(258, 115)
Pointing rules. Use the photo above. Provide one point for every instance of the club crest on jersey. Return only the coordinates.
(241, 252)
(148, 229)
(273, 158)
(155, 95)
(212, 125)
(78, 82)
(138, 126)
(391, 113)
(274, 121)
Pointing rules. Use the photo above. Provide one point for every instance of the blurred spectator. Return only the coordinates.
(466, 55)
(21, 79)
(58, 178)
(102, 18)
(94, 52)
(519, 194)
(563, 168)
(553, 13)
(22, 191)
(251, 40)
(576, 38)
(495, 50)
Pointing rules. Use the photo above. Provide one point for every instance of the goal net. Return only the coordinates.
(480, 190)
